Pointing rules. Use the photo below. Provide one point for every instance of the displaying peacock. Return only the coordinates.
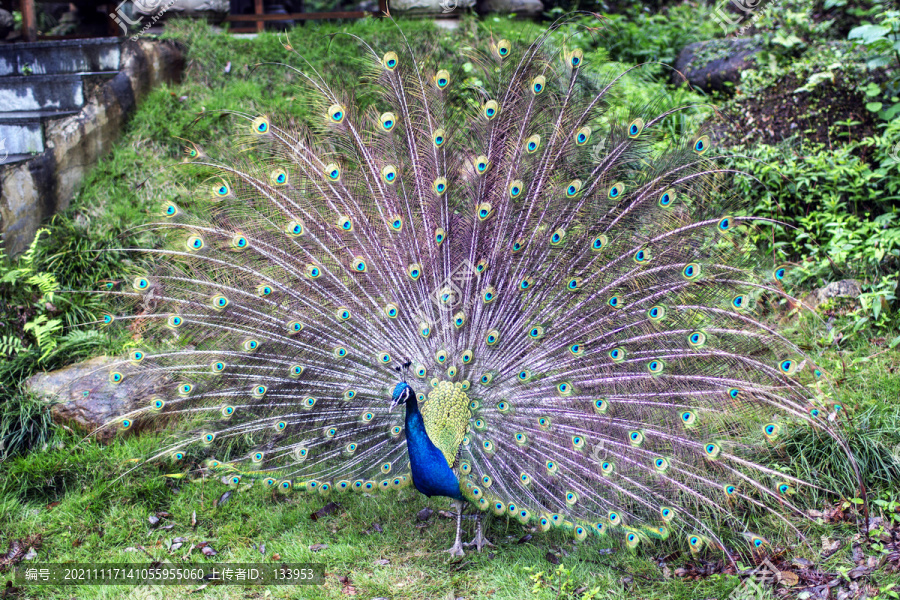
(499, 288)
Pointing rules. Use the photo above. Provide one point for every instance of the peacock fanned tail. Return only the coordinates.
(575, 293)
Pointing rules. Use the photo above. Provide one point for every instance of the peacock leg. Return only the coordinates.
(457, 549)
(479, 541)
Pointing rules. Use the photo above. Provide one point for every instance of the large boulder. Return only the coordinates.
(715, 65)
(83, 399)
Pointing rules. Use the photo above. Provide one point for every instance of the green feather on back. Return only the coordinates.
(446, 415)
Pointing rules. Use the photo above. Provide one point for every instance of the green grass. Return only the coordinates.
(69, 491)
(73, 497)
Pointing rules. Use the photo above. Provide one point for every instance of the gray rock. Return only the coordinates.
(846, 288)
(714, 64)
(83, 399)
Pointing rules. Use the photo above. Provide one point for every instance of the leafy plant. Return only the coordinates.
(882, 39)
(638, 36)
(10, 345)
(846, 221)
(22, 280)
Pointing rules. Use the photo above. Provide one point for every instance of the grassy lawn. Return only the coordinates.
(73, 497)
(69, 491)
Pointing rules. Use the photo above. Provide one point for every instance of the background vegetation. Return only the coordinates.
(833, 183)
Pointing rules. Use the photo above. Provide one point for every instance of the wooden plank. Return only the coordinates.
(112, 28)
(259, 11)
(29, 21)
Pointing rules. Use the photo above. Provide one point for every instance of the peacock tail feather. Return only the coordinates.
(582, 331)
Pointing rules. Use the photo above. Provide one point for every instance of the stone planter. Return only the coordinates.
(213, 11)
(447, 8)
(522, 8)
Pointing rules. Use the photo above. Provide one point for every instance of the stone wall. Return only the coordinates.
(33, 190)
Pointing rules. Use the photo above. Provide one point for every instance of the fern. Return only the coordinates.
(46, 331)
(26, 265)
(46, 282)
(10, 345)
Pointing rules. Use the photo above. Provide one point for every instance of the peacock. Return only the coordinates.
(497, 285)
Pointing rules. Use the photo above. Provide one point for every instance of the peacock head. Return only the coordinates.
(401, 394)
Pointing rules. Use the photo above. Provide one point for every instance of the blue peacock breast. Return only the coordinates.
(431, 474)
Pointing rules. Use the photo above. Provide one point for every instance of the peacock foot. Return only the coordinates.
(457, 549)
(479, 541)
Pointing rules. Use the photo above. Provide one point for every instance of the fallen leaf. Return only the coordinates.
(154, 520)
(829, 546)
(347, 589)
(227, 68)
(525, 538)
(424, 514)
(223, 499)
(208, 551)
(317, 547)
(325, 510)
(381, 562)
(276, 556)
(858, 572)
(553, 559)
(194, 518)
(788, 578)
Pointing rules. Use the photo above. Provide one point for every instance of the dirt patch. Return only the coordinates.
(781, 112)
